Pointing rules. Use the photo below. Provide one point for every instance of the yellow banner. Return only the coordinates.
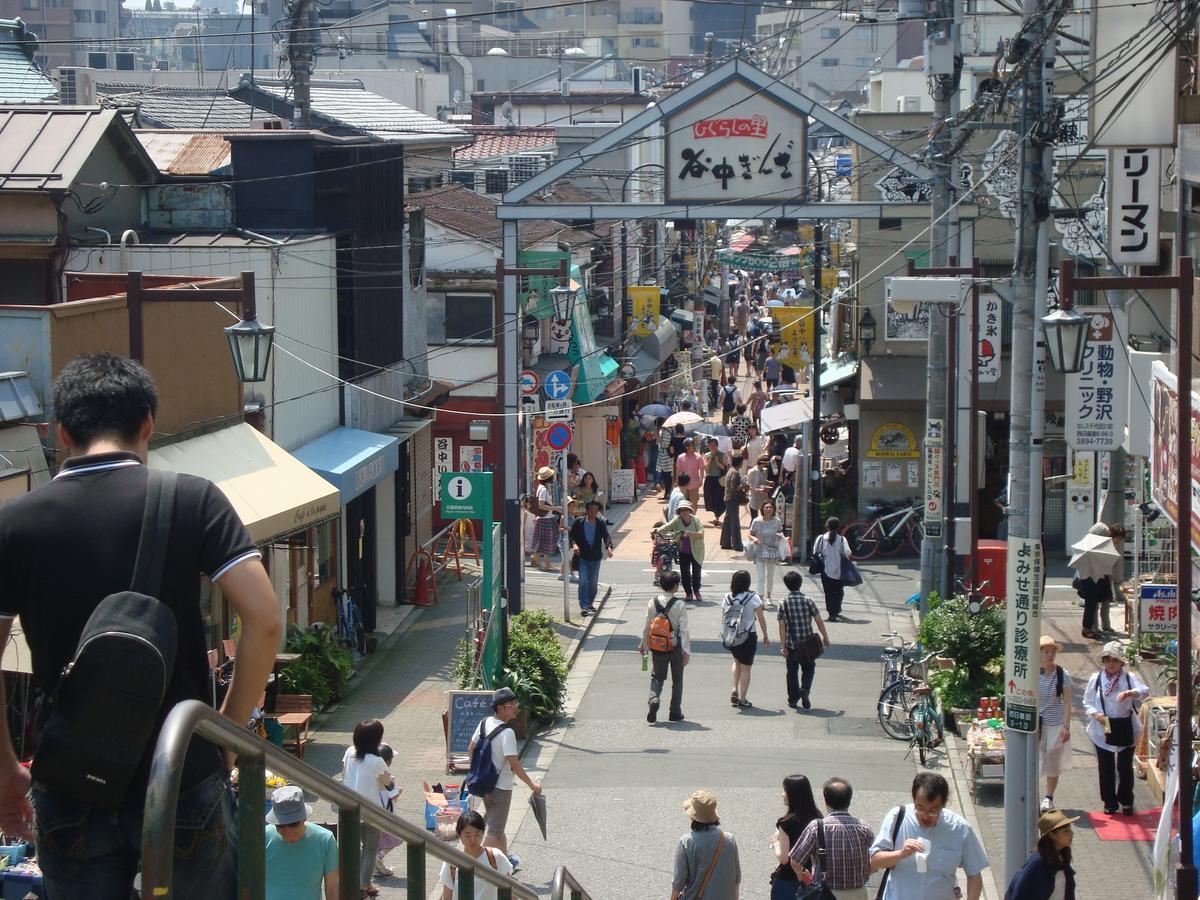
(796, 330)
(645, 301)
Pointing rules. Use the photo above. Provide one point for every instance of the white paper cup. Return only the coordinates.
(922, 858)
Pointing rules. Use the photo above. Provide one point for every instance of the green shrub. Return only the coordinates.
(464, 665)
(975, 641)
(323, 669)
(536, 668)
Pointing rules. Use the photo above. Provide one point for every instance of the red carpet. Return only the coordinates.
(1138, 827)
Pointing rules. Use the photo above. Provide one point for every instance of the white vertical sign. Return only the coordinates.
(1133, 179)
(1096, 395)
(443, 461)
(1021, 650)
(934, 477)
(991, 322)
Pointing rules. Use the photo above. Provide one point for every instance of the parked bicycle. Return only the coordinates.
(350, 628)
(894, 658)
(888, 530)
(907, 712)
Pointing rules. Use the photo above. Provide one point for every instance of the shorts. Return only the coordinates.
(1055, 754)
(744, 652)
(495, 810)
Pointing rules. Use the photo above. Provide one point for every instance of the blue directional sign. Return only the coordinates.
(558, 385)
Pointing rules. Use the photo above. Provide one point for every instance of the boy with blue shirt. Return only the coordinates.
(300, 856)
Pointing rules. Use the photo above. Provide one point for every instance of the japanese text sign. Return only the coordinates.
(1158, 609)
(991, 322)
(443, 461)
(1164, 443)
(1096, 395)
(795, 333)
(1133, 178)
(935, 464)
(644, 300)
(1022, 659)
(736, 143)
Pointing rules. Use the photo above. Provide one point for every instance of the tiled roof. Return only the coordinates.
(45, 147)
(461, 209)
(163, 106)
(178, 152)
(492, 142)
(350, 105)
(20, 80)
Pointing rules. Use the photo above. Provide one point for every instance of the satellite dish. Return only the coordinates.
(506, 111)
(497, 51)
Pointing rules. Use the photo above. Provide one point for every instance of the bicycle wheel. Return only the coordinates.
(862, 538)
(890, 544)
(916, 535)
(895, 705)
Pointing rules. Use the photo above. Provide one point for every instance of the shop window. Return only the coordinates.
(469, 318)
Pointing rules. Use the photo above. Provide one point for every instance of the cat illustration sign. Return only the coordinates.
(467, 495)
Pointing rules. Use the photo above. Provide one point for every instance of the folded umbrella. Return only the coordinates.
(1095, 556)
(538, 802)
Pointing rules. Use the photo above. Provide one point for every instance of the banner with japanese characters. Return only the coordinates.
(1158, 609)
(795, 333)
(644, 300)
(1022, 655)
(736, 143)
(443, 461)
(991, 323)
(1096, 395)
(1134, 178)
(1164, 442)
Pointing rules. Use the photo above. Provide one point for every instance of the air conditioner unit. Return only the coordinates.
(909, 103)
(126, 62)
(76, 86)
(97, 59)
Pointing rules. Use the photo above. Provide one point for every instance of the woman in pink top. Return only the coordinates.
(692, 463)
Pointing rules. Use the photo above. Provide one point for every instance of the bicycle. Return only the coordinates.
(876, 537)
(893, 659)
(898, 700)
(350, 628)
(925, 723)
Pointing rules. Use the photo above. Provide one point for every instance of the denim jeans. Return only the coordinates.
(589, 582)
(93, 854)
(799, 687)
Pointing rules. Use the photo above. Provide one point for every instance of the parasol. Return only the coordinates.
(686, 417)
(655, 409)
(1095, 556)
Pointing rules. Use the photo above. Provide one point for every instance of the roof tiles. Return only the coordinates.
(493, 142)
(461, 209)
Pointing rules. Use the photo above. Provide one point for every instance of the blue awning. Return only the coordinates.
(352, 459)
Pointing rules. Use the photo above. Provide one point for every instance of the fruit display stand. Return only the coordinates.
(984, 762)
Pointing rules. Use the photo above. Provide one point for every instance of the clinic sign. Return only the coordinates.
(736, 143)
(1134, 192)
(1022, 655)
(1096, 394)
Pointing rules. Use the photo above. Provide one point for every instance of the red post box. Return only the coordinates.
(991, 565)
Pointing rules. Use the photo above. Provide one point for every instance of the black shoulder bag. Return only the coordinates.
(818, 890)
(1120, 729)
(107, 706)
(887, 873)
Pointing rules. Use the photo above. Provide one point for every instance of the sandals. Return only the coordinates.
(371, 891)
(733, 698)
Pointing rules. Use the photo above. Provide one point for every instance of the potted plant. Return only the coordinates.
(974, 641)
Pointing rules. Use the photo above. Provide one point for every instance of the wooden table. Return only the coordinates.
(286, 659)
(301, 722)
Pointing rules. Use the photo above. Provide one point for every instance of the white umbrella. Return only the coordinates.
(1094, 556)
(686, 417)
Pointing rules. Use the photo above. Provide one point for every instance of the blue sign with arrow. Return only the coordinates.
(558, 385)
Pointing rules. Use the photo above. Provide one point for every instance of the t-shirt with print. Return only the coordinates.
(953, 844)
(69, 544)
(297, 870)
(483, 890)
(503, 745)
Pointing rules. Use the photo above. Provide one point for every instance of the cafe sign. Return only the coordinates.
(736, 143)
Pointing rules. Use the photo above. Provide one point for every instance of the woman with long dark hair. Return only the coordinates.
(801, 809)
(1047, 873)
(364, 771)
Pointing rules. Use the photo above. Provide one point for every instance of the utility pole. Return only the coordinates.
(943, 63)
(300, 59)
(1027, 403)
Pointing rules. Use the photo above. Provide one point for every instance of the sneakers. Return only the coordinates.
(804, 699)
(733, 698)
(652, 713)
(1047, 802)
(676, 717)
(515, 860)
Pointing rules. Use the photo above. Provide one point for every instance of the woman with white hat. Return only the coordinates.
(1054, 728)
(690, 529)
(1111, 700)
(545, 530)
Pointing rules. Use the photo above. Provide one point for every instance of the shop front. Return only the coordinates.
(289, 511)
(362, 466)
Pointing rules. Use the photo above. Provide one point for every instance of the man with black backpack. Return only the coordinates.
(491, 775)
(103, 566)
(665, 636)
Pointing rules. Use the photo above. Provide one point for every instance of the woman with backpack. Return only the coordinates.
(470, 829)
(1111, 700)
(1054, 722)
(741, 611)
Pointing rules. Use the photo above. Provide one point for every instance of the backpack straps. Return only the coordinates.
(712, 864)
(156, 530)
(1058, 675)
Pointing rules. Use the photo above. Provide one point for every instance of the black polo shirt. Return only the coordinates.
(67, 545)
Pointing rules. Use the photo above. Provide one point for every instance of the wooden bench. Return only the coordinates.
(294, 711)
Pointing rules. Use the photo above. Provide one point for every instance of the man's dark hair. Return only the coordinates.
(704, 826)
(669, 581)
(684, 479)
(367, 738)
(740, 582)
(930, 786)
(792, 580)
(103, 394)
(838, 794)
(571, 459)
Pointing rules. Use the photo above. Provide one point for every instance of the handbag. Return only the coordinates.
(1120, 729)
(811, 648)
(816, 563)
(851, 577)
(817, 890)
(751, 551)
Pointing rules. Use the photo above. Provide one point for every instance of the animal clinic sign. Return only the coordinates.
(736, 143)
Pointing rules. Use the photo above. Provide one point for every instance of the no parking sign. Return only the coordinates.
(558, 436)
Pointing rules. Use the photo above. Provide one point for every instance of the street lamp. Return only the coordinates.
(1066, 337)
(843, 279)
(866, 331)
(250, 345)
(563, 299)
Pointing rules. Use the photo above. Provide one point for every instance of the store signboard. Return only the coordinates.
(1164, 441)
(1097, 402)
(1134, 175)
(1158, 609)
(935, 467)
(1022, 656)
(443, 462)
(991, 323)
(645, 300)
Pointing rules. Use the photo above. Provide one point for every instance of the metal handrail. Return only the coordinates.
(191, 717)
(563, 879)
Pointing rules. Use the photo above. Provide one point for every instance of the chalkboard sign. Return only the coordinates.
(467, 710)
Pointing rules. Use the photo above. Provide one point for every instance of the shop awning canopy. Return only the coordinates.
(353, 459)
(837, 371)
(786, 415)
(272, 491)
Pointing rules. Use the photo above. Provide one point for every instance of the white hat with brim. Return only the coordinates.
(684, 506)
(1113, 650)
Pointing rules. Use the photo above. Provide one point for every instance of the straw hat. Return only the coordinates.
(1052, 820)
(545, 473)
(1113, 650)
(1048, 641)
(702, 806)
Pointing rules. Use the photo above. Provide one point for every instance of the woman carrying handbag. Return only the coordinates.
(831, 554)
(1111, 700)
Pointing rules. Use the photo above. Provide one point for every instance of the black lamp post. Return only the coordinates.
(1066, 337)
(866, 331)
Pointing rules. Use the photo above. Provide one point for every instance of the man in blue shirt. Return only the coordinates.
(300, 855)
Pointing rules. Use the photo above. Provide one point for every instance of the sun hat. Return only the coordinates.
(288, 806)
(545, 473)
(684, 505)
(1052, 820)
(502, 696)
(1115, 650)
(1048, 641)
(702, 806)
